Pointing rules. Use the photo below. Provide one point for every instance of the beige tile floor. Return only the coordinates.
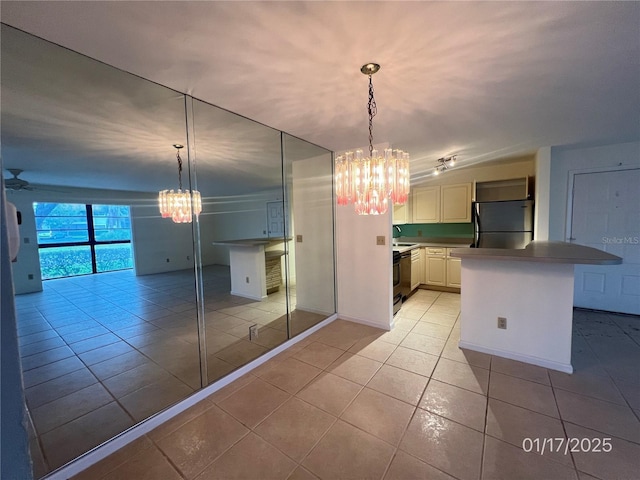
(102, 352)
(354, 402)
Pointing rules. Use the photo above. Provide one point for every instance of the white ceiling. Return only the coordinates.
(481, 80)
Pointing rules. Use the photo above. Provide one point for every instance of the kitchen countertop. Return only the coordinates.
(250, 242)
(417, 242)
(542, 252)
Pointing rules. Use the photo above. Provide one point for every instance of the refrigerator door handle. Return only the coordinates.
(477, 227)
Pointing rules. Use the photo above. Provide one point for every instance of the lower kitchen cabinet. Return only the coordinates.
(435, 269)
(415, 268)
(454, 272)
(441, 269)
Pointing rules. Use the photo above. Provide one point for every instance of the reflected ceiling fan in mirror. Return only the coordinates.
(16, 183)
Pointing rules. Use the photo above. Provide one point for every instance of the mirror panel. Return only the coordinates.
(309, 186)
(100, 352)
(242, 237)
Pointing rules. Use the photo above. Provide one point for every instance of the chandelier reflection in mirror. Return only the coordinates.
(180, 205)
(370, 183)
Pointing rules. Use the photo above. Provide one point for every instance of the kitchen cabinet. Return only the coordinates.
(435, 269)
(426, 205)
(442, 204)
(415, 268)
(401, 214)
(456, 203)
(454, 275)
(501, 190)
(422, 263)
(441, 269)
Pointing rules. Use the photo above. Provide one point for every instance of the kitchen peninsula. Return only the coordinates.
(518, 304)
(255, 268)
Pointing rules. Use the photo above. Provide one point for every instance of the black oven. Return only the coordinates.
(397, 276)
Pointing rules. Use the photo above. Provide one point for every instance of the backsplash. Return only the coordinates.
(451, 230)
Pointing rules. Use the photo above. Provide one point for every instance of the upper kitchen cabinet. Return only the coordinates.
(455, 203)
(401, 214)
(442, 204)
(502, 190)
(426, 205)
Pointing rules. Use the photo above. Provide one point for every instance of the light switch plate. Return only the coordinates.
(380, 240)
(299, 238)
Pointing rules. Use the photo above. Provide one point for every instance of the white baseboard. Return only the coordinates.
(102, 451)
(364, 322)
(251, 297)
(541, 362)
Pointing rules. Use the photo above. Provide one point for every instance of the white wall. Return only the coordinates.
(26, 268)
(313, 219)
(565, 161)
(159, 244)
(364, 269)
(233, 218)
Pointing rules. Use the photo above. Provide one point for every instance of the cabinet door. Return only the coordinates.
(453, 272)
(436, 271)
(426, 205)
(422, 266)
(456, 203)
(415, 271)
(401, 214)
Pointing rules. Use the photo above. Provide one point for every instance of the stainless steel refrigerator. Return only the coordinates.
(504, 224)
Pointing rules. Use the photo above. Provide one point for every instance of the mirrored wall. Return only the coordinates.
(101, 352)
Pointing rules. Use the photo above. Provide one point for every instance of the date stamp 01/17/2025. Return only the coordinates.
(566, 445)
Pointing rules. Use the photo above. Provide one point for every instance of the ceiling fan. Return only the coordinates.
(16, 183)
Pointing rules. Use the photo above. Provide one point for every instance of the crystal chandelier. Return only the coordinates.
(180, 204)
(370, 183)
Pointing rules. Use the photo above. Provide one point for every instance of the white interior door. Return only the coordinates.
(606, 215)
(275, 219)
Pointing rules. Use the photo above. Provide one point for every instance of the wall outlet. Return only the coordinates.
(253, 331)
(27, 240)
(299, 238)
(168, 260)
(419, 233)
(502, 323)
(30, 276)
(246, 279)
(380, 240)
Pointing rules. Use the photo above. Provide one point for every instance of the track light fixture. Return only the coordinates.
(444, 163)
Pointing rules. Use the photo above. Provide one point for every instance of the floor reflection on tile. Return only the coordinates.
(127, 346)
(385, 409)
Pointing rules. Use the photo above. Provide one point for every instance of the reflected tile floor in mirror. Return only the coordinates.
(352, 401)
(103, 352)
